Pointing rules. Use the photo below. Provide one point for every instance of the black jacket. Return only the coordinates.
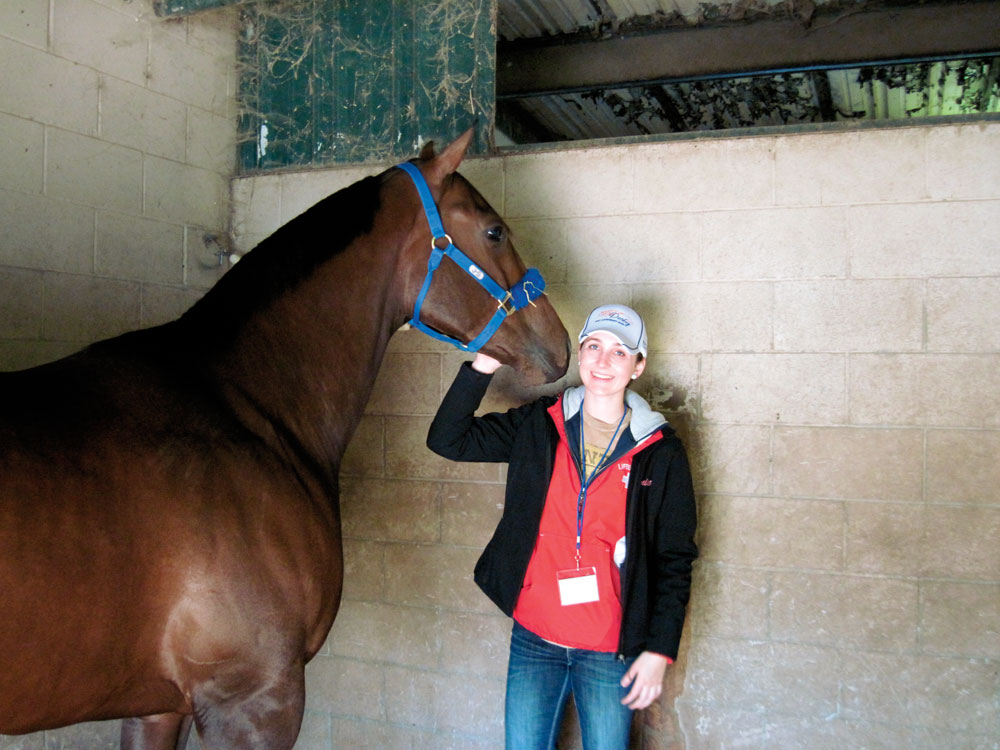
(660, 510)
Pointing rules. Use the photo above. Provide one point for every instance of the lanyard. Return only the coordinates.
(581, 500)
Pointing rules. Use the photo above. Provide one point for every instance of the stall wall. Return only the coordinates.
(824, 316)
(118, 144)
(824, 311)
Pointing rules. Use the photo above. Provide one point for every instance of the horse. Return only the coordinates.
(170, 544)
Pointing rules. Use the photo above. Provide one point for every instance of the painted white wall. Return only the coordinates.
(117, 150)
(824, 317)
(823, 310)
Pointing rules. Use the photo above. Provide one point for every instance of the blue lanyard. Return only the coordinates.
(581, 500)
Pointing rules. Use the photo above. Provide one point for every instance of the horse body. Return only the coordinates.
(152, 543)
(169, 528)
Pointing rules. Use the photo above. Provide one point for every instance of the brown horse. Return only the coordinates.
(169, 527)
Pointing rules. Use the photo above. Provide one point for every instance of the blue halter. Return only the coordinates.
(529, 288)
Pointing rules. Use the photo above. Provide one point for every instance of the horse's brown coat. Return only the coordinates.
(169, 527)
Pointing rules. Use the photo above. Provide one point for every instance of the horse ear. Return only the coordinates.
(427, 152)
(448, 160)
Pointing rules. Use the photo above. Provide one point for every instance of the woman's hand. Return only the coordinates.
(485, 364)
(646, 678)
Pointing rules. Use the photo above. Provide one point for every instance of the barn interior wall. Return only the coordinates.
(117, 148)
(824, 313)
(825, 318)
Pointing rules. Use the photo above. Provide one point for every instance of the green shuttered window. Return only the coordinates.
(327, 81)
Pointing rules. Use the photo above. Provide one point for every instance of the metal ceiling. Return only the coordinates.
(581, 69)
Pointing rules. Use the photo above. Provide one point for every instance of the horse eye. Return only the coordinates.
(495, 233)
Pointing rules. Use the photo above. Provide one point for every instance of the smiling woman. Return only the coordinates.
(592, 556)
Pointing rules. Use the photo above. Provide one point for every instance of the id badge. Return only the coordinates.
(577, 586)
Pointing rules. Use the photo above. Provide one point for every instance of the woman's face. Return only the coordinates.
(606, 367)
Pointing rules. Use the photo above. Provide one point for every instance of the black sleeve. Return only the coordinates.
(457, 434)
(673, 552)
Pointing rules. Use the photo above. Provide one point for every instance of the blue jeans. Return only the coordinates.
(540, 677)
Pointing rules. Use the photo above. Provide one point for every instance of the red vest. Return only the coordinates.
(593, 625)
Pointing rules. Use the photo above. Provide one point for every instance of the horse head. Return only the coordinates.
(479, 297)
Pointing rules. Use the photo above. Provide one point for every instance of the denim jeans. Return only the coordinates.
(540, 677)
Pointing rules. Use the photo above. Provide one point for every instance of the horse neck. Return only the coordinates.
(300, 371)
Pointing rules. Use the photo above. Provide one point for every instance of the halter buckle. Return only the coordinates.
(447, 242)
(507, 304)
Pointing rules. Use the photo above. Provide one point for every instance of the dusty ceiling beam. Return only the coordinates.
(916, 32)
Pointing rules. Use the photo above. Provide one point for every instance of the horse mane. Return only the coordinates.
(285, 259)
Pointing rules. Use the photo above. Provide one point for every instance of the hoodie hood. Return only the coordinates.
(644, 421)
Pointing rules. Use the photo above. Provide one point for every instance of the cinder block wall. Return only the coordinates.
(825, 319)
(117, 148)
(824, 310)
(117, 145)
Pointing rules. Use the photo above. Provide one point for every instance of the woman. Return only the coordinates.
(592, 556)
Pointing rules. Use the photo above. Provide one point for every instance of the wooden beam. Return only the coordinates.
(904, 33)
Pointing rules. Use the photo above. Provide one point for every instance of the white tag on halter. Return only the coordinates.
(476, 271)
(577, 586)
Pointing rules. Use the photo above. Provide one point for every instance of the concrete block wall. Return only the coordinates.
(824, 318)
(824, 321)
(117, 150)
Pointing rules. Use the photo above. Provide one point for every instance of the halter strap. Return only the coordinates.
(523, 293)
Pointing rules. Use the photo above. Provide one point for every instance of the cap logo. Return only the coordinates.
(617, 317)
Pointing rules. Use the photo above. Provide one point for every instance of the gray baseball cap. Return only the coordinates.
(624, 323)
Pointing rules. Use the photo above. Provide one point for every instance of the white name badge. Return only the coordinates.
(577, 586)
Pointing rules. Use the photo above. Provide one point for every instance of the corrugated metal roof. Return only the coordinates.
(533, 19)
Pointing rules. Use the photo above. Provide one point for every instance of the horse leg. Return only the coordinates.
(268, 718)
(159, 732)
